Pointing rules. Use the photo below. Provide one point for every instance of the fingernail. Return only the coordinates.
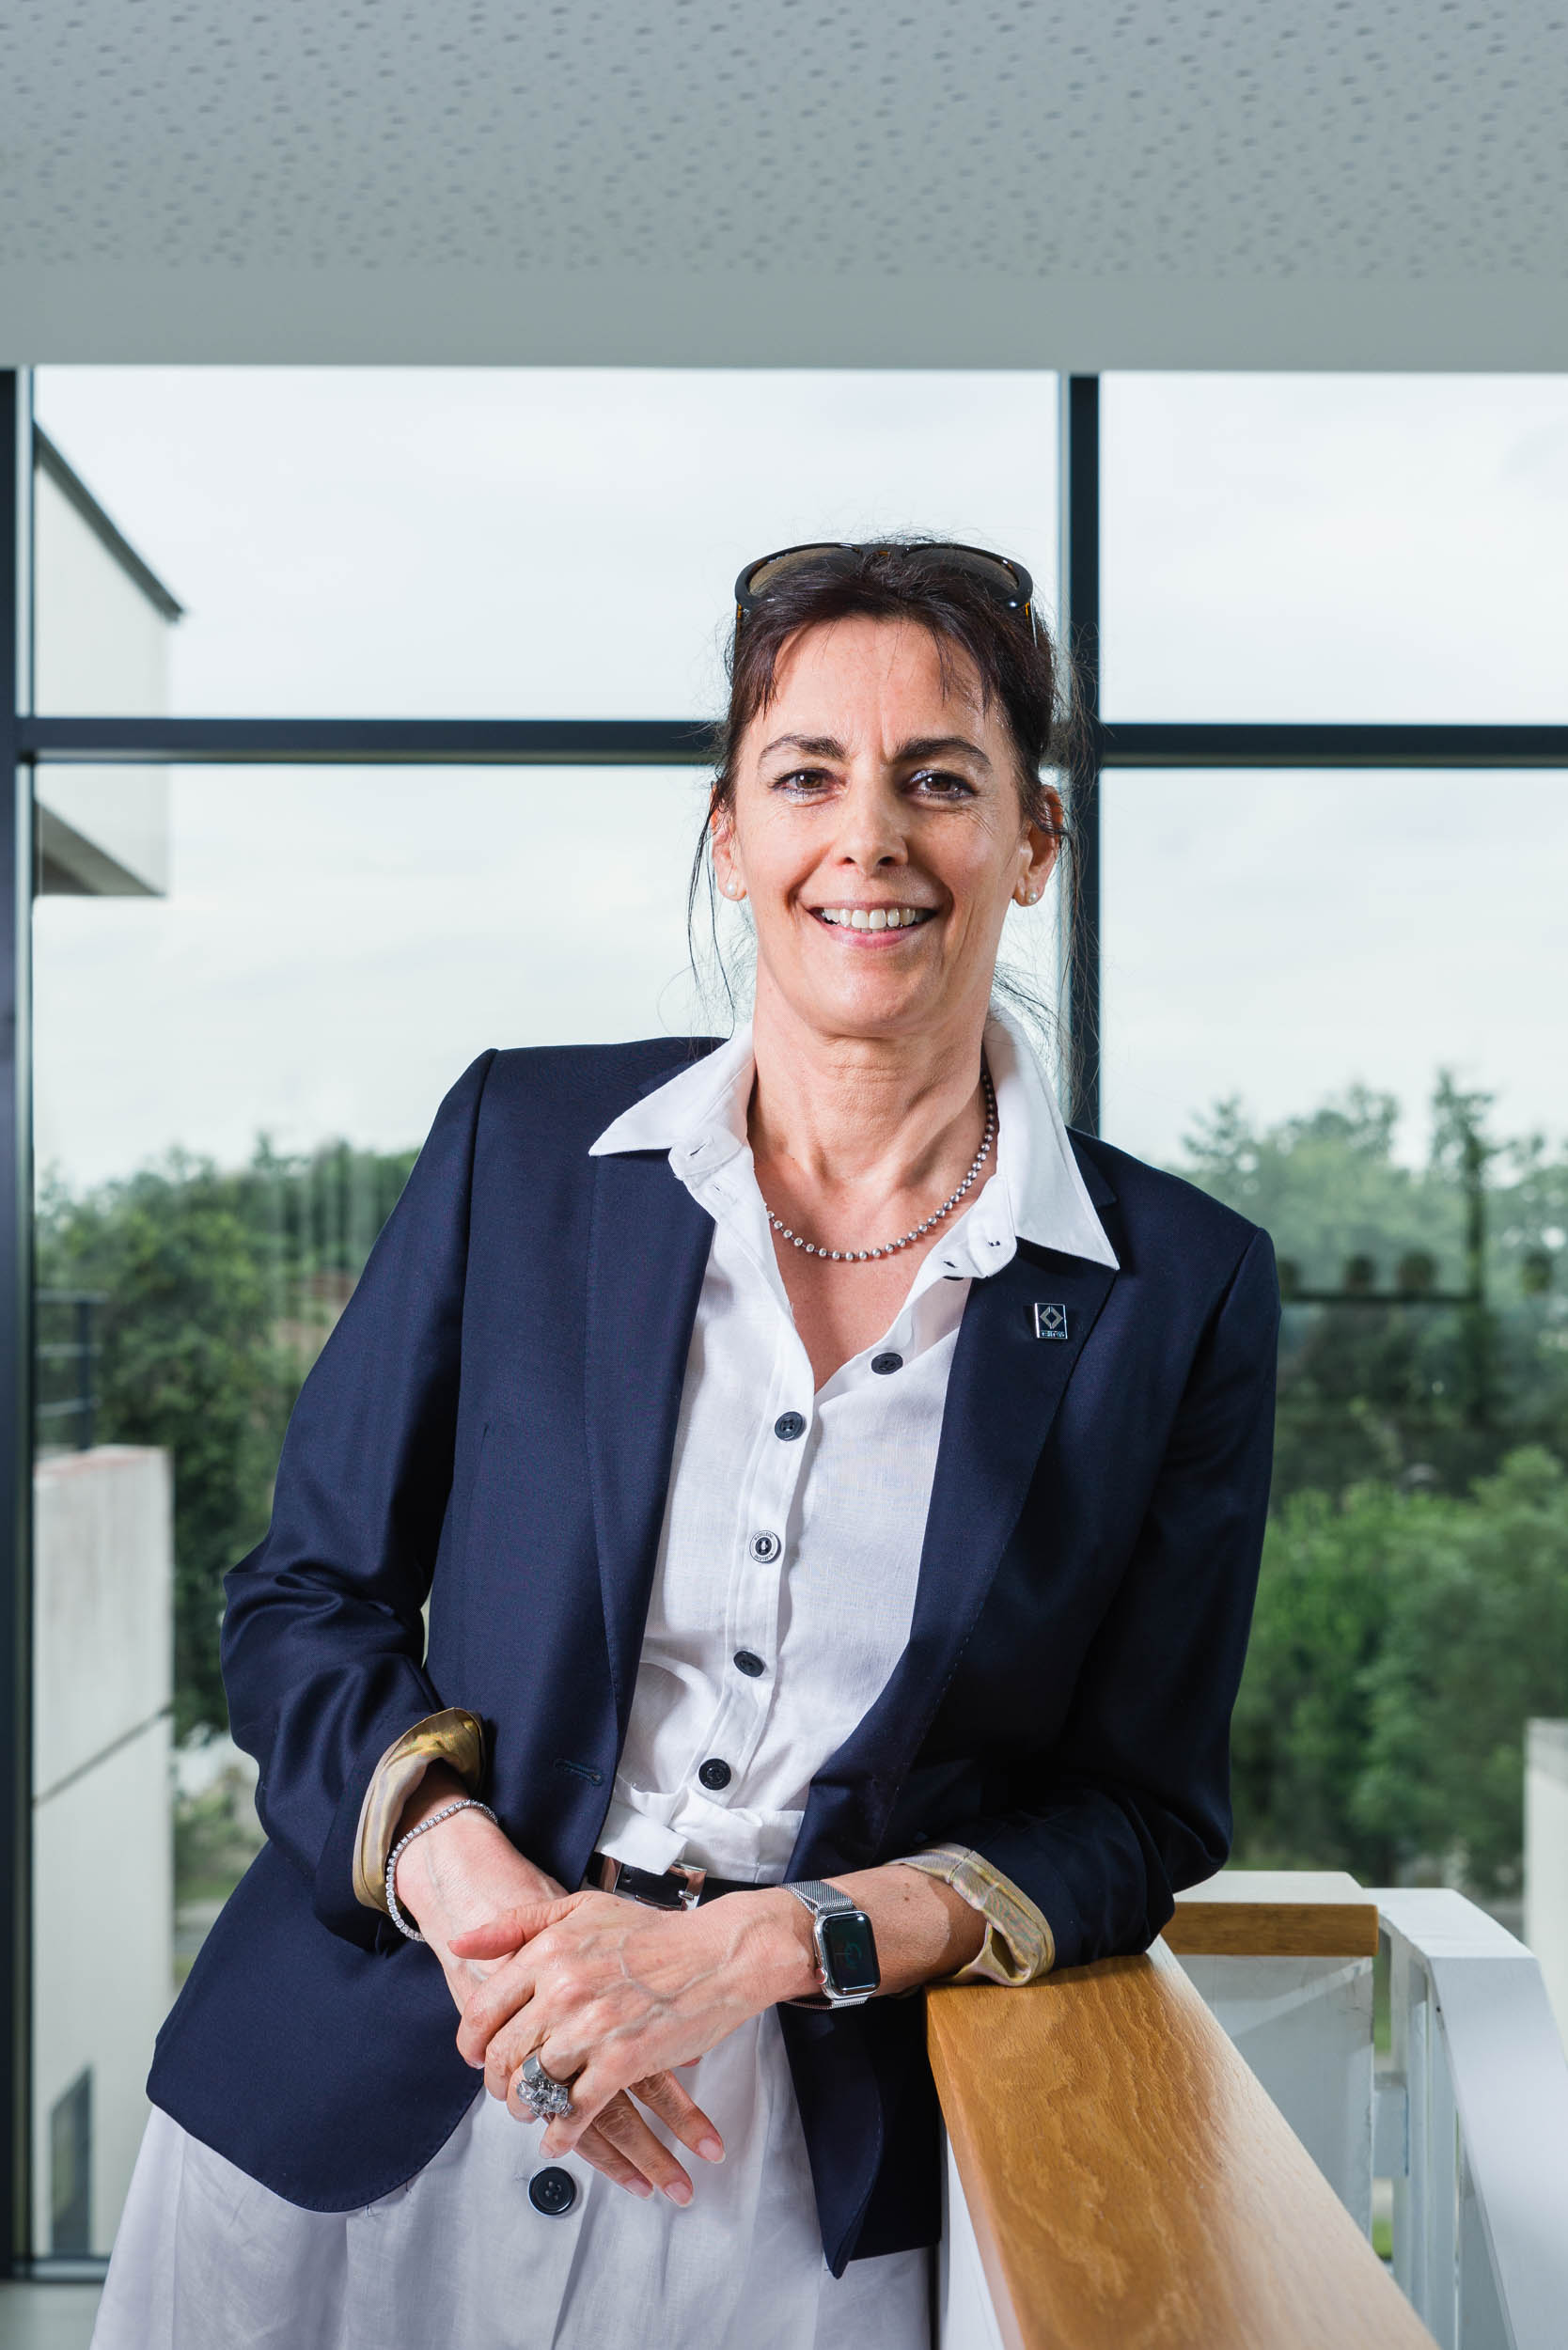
(679, 2191)
(639, 2187)
(710, 2148)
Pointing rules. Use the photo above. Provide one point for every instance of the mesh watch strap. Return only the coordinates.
(821, 1900)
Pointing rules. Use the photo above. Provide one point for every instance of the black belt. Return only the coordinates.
(681, 1887)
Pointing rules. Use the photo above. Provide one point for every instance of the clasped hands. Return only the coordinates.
(612, 1996)
(604, 1988)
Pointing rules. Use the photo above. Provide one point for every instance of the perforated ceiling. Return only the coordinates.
(920, 181)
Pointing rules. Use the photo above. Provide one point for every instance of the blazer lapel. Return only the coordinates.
(648, 1248)
(1003, 1394)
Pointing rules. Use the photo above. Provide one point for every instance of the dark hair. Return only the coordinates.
(910, 579)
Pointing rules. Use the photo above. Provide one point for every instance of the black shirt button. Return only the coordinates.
(766, 1547)
(885, 1363)
(715, 1774)
(746, 1661)
(553, 2192)
(790, 1425)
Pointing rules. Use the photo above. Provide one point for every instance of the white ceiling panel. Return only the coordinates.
(1018, 182)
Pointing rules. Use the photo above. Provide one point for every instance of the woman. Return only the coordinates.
(839, 1493)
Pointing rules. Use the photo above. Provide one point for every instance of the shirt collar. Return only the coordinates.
(1046, 1192)
(698, 1115)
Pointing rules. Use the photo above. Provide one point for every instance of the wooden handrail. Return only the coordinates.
(1275, 1913)
(1130, 2184)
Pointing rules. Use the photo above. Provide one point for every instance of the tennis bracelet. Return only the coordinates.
(464, 1803)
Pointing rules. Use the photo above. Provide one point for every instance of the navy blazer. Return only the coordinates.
(491, 1425)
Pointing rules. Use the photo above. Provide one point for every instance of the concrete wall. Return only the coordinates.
(1547, 1859)
(103, 650)
(103, 1842)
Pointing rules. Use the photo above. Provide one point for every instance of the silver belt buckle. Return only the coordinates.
(621, 1876)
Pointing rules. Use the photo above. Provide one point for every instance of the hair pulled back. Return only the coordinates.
(912, 580)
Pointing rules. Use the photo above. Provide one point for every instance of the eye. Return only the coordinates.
(941, 783)
(802, 781)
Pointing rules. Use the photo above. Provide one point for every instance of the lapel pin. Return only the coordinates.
(1050, 1322)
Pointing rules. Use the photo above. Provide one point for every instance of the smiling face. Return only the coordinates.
(878, 831)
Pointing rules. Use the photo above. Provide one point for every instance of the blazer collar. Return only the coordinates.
(647, 1248)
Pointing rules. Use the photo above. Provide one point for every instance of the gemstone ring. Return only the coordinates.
(549, 2098)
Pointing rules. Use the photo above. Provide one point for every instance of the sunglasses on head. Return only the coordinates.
(1006, 582)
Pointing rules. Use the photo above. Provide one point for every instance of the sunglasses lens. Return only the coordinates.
(1008, 582)
(1003, 579)
(774, 568)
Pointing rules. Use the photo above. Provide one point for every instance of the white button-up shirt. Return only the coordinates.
(794, 1520)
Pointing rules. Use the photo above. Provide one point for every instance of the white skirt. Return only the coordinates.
(206, 2257)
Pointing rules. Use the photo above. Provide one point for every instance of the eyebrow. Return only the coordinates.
(920, 746)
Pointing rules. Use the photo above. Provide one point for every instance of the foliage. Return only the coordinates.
(1401, 1640)
(218, 1290)
(1413, 1605)
(1419, 1393)
(1300, 1730)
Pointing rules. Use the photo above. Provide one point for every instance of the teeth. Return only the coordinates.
(873, 917)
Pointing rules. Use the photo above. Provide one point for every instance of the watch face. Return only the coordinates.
(850, 1951)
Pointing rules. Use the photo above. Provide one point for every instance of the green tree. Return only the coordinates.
(1476, 1641)
(1400, 1642)
(188, 1363)
(219, 1290)
(1426, 1393)
(1301, 1725)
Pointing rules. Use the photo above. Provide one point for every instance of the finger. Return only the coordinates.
(496, 2001)
(624, 2127)
(591, 2092)
(595, 2148)
(663, 2094)
(506, 2054)
(507, 1931)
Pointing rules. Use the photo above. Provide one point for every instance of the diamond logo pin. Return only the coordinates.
(1050, 1322)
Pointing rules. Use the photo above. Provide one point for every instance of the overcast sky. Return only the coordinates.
(337, 943)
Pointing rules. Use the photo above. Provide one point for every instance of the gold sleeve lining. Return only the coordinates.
(453, 1736)
(1019, 1946)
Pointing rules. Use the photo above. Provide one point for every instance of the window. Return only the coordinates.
(499, 542)
(1335, 548)
(1330, 993)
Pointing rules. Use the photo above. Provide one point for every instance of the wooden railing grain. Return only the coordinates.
(1275, 1913)
(1132, 2186)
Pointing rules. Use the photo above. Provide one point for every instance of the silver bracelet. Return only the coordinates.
(466, 1803)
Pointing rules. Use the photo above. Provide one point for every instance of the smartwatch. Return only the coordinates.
(846, 1947)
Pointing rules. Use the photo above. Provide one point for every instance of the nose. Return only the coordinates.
(871, 825)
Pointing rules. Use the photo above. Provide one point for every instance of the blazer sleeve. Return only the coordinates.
(322, 1641)
(1134, 1801)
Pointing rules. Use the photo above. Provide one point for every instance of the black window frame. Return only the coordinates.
(28, 741)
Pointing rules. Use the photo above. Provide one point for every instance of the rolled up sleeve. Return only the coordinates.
(453, 1736)
(1019, 1946)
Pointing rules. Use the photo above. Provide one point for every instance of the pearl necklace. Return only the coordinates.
(890, 1247)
